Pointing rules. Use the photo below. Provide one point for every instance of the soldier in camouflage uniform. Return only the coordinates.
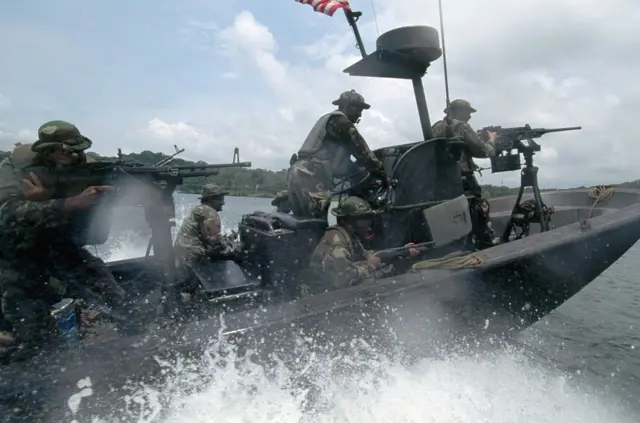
(200, 239)
(326, 153)
(459, 112)
(281, 202)
(34, 230)
(340, 257)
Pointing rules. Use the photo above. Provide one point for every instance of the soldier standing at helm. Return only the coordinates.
(34, 227)
(325, 155)
(200, 239)
(459, 113)
(281, 202)
(340, 257)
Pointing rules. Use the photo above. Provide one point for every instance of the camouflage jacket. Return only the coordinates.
(25, 224)
(475, 146)
(340, 128)
(341, 258)
(200, 237)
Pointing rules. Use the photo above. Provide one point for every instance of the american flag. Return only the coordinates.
(328, 7)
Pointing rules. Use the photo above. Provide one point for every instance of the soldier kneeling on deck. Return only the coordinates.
(340, 258)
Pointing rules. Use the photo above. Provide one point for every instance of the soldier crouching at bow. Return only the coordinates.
(281, 202)
(325, 155)
(37, 240)
(459, 112)
(200, 239)
(340, 258)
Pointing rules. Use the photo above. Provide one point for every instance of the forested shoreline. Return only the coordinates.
(265, 183)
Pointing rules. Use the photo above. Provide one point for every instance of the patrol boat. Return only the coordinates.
(542, 261)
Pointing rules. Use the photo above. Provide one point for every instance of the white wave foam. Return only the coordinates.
(364, 386)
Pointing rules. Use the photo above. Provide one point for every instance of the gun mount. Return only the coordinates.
(508, 159)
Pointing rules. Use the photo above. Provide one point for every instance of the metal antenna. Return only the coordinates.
(444, 62)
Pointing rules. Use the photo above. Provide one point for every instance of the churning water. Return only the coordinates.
(500, 384)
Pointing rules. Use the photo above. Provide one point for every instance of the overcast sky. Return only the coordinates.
(211, 75)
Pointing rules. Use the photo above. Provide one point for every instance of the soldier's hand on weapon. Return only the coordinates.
(87, 198)
(33, 189)
(373, 260)
(383, 182)
(412, 251)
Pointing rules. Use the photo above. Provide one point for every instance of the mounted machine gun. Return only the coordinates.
(507, 159)
(149, 187)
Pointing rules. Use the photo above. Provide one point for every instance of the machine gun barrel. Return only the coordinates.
(183, 169)
(214, 166)
(569, 128)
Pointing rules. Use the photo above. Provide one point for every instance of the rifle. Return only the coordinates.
(403, 252)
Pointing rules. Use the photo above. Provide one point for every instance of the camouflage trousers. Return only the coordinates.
(27, 298)
(28, 293)
(482, 234)
(309, 187)
(86, 276)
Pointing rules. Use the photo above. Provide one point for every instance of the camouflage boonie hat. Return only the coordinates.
(280, 197)
(56, 132)
(351, 97)
(353, 207)
(212, 190)
(460, 104)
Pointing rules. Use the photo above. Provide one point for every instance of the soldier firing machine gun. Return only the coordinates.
(154, 188)
(505, 160)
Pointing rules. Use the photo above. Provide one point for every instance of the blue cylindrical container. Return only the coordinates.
(64, 313)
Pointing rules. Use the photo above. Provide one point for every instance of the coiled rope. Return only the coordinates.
(451, 261)
(599, 194)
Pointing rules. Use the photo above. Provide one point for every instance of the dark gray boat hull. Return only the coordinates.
(517, 284)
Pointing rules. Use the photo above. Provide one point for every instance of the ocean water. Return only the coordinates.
(579, 364)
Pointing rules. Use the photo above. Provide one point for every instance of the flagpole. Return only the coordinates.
(352, 19)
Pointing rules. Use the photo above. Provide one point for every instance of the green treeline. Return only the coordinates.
(261, 182)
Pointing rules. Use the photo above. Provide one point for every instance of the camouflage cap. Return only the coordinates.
(280, 197)
(56, 132)
(460, 104)
(353, 207)
(351, 97)
(212, 190)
